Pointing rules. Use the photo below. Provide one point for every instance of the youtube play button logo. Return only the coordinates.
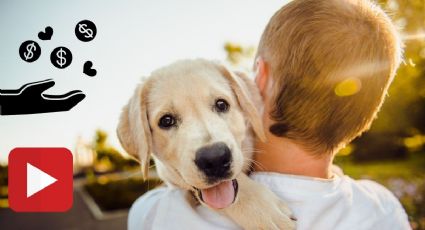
(37, 180)
(40, 179)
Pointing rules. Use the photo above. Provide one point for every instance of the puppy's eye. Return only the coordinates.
(222, 105)
(167, 121)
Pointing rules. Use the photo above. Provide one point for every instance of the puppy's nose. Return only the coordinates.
(214, 160)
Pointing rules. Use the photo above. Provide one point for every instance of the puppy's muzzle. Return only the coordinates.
(214, 161)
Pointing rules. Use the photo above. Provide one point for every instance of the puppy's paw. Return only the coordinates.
(272, 213)
(259, 208)
(283, 219)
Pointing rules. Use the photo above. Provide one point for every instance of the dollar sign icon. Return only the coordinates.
(30, 54)
(61, 57)
(60, 54)
(29, 51)
(85, 30)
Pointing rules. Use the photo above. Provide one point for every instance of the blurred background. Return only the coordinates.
(136, 37)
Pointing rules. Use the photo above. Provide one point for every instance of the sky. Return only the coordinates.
(133, 39)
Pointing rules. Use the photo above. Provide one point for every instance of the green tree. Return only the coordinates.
(107, 154)
(403, 111)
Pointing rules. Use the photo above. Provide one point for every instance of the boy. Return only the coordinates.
(323, 68)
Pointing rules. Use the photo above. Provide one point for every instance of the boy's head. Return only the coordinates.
(330, 63)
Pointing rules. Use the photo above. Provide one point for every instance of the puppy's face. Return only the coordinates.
(196, 123)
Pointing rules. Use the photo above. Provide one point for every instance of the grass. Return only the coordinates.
(410, 168)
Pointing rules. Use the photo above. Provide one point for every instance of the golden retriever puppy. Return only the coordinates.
(197, 120)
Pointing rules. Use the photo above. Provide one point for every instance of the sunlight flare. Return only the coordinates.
(348, 87)
(419, 35)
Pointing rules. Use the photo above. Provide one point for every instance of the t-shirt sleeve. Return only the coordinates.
(397, 219)
(143, 209)
(394, 216)
(166, 208)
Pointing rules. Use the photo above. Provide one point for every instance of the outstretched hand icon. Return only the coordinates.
(29, 99)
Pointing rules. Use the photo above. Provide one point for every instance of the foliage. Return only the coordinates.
(404, 110)
(3, 174)
(118, 194)
(239, 55)
(3, 186)
(107, 157)
(371, 146)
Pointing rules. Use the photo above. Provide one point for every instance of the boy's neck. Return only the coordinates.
(282, 155)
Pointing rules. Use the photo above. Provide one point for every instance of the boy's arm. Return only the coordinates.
(397, 219)
(395, 216)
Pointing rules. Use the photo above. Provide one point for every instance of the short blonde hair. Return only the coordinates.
(332, 62)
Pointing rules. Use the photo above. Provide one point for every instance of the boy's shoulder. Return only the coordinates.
(380, 195)
(378, 203)
(377, 197)
(337, 203)
(370, 192)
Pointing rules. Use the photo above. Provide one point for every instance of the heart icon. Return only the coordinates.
(46, 34)
(88, 69)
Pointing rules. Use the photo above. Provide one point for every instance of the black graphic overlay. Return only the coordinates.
(87, 69)
(29, 99)
(85, 30)
(61, 57)
(29, 51)
(46, 34)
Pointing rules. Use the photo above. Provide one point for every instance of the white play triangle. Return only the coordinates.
(37, 180)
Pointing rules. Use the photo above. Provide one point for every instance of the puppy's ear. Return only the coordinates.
(247, 94)
(133, 128)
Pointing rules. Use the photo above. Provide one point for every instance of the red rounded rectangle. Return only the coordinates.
(40, 180)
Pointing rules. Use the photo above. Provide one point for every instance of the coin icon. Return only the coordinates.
(85, 30)
(61, 57)
(29, 51)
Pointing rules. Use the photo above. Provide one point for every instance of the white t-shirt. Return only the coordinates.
(337, 203)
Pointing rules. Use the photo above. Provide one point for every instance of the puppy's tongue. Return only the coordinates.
(219, 196)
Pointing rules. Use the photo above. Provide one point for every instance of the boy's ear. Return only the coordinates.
(261, 75)
(247, 94)
(133, 128)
